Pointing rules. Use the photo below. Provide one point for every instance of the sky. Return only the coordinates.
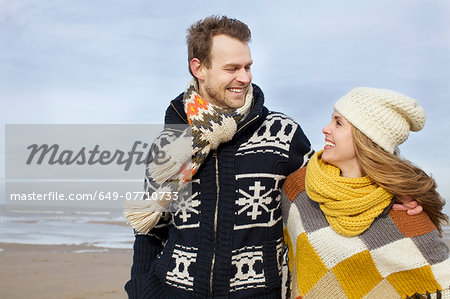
(121, 62)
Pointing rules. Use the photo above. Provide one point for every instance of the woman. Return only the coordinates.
(344, 240)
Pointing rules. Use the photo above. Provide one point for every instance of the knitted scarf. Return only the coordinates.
(210, 126)
(349, 204)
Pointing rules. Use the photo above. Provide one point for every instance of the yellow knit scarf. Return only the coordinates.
(349, 204)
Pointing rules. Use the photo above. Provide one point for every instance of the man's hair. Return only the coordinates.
(399, 176)
(200, 36)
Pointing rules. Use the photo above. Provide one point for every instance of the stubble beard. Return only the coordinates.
(222, 102)
(215, 97)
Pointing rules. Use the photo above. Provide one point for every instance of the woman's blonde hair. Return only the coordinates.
(399, 177)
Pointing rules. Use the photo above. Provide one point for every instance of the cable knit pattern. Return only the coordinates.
(350, 204)
(383, 115)
(398, 256)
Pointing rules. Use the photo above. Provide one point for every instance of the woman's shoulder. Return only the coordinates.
(412, 225)
(295, 183)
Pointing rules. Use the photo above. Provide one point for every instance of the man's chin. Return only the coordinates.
(236, 104)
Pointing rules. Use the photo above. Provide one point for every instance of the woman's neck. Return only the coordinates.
(352, 171)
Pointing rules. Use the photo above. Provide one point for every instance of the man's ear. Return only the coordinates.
(197, 69)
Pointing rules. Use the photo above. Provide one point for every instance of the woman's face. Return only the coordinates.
(339, 149)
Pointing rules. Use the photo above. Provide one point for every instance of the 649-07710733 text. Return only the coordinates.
(97, 195)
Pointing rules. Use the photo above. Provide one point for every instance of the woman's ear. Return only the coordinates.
(197, 68)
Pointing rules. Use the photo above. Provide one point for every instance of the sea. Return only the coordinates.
(65, 226)
(98, 228)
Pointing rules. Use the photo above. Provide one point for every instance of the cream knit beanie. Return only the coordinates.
(383, 115)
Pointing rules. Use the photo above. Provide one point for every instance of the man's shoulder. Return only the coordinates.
(175, 112)
(280, 114)
(177, 102)
(275, 115)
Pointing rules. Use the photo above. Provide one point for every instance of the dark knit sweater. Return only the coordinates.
(230, 244)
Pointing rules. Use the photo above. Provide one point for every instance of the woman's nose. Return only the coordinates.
(326, 130)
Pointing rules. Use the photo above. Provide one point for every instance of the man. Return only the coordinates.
(229, 242)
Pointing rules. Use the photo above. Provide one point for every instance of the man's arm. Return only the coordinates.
(146, 248)
(300, 151)
(148, 244)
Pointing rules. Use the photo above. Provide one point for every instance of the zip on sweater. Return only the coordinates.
(250, 121)
(217, 210)
(215, 224)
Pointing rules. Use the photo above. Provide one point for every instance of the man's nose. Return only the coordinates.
(244, 76)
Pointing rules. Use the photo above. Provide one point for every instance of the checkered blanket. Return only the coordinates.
(399, 256)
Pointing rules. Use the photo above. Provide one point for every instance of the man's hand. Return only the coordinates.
(409, 204)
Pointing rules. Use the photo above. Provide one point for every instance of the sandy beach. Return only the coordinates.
(63, 271)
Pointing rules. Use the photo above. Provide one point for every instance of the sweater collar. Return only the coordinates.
(256, 110)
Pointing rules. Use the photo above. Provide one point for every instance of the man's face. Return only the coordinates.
(225, 83)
